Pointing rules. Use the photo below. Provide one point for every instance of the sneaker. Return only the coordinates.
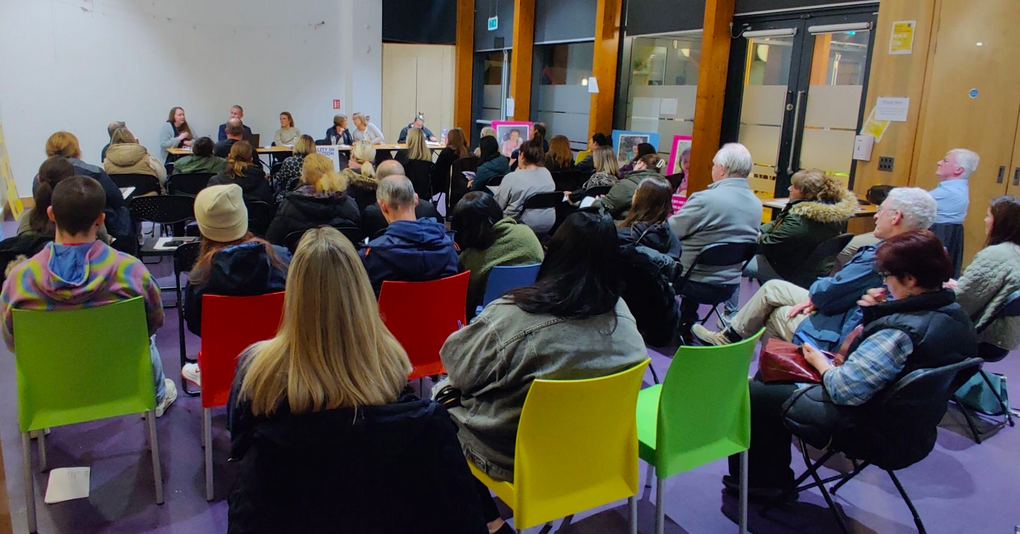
(169, 396)
(708, 337)
(191, 373)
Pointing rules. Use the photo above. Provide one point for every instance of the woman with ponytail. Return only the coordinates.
(360, 174)
(241, 170)
(35, 220)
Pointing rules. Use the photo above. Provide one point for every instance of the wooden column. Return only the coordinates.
(708, 111)
(521, 58)
(607, 51)
(463, 65)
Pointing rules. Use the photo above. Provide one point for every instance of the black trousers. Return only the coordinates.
(489, 510)
(693, 294)
(769, 457)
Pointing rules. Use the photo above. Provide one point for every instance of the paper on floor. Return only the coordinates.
(67, 484)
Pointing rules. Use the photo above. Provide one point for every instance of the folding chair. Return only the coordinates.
(824, 253)
(718, 255)
(184, 259)
(188, 184)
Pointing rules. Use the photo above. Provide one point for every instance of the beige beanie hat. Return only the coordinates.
(221, 213)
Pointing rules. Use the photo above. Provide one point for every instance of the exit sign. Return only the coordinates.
(336, 104)
(493, 23)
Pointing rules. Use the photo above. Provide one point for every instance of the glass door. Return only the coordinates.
(495, 82)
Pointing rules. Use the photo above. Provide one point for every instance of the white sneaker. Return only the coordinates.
(192, 373)
(169, 396)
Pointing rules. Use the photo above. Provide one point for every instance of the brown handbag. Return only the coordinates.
(782, 361)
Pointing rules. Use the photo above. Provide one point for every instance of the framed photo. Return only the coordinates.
(681, 144)
(511, 135)
(626, 142)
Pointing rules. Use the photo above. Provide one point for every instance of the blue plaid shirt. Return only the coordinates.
(869, 369)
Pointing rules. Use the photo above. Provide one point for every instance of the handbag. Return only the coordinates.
(782, 361)
(976, 395)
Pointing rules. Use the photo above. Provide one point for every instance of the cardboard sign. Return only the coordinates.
(332, 152)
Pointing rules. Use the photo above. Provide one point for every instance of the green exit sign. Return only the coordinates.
(493, 23)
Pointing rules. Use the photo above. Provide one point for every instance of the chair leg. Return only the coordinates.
(906, 499)
(157, 470)
(207, 435)
(821, 487)
(857, 470)
(1003, 404)
(660, 513)
(42, 450)
(743, 492)
(655, 376)
(633, 513)
(26, 471)
(970, 420)
(648, 477)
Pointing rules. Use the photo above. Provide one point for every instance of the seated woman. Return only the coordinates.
(320, 430)
(491, 164)
(617, 200)
(919, 327)
(531, 178)
(231, 262)
(993, 275)
(201, 159)
(288, 134)
(417, 163)
(456, 148)
(363, 130)
(35, 219)
(606, 173)
(559, 157)
(651, 261)
(174, 133)
(487, 239)
(320, 200)
(571, 324)
(126, 156)
(287, 177)
(642, 150)
(360, 174)
(241, 170)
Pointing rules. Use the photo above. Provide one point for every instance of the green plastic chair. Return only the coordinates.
(78, 366)
(699, 414)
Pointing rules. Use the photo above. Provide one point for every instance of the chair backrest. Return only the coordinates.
(260, 214)
(105, 372)
(723, 254)
(571, 179)
(597, 190)
(188, 184)
(830, 248)
(576, 446)
(423, 334)
(163, 209)
(292, 239)
(354, 234)
(143, 183)
(544, 200)
(229, 326)
(185, 257)
(928, 388)
(1010, 309)
(495, 181)
(704, 406)
(503, 278)
(419, 172)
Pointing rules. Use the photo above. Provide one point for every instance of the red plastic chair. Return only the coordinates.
(229, 326)
(421, 315)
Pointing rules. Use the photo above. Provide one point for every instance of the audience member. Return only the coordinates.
(596, 141)
(875, 195)
(650, 255)
(487, 131)
(320, 200)
(643, 149)
(491, 164)
(126, 156)
(372, 220)
(411, 249)
(617, 201)
(571, 324)
(290, 171)
(231, 261)
(488, 239)
(456, 148)
(201, 159)
(321, 402)
(112, 127)
(952, 197)
(417, 161)
(606, 173)
(828, 312)
(36, 219)
(338, 134)
(360, 174)
(540, 131)
(288, 134)
(914, 324)
(419, 124)
(236, 112)
(366, 131)
(531, 178)
(726, 212)
(76, 271)
(559, 157)
(241, 171)
(235, 132)
(174, 133)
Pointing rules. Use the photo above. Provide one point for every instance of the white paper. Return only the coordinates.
(509, 107)
(668, 106)
(587, 201)
(126, 191)
(593, 85)
(892, 109)
(68, 483)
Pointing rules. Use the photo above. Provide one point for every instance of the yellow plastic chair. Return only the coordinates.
(699, 414)
(576, 449)
(581, 155)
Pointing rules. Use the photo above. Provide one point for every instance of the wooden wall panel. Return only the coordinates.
(708, 111)
(607, 50)
(521, 59)
(464, 63)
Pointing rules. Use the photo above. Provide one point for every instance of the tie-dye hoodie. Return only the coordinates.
(71, 277)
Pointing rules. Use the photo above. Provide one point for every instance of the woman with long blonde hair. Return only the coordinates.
(241, 169)
(360, 174)
(321, 401)
(366, 131)
(417, 162)
(320, 200)
(286, 179)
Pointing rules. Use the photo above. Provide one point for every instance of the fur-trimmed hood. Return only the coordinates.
(356, 179)
(828, 213)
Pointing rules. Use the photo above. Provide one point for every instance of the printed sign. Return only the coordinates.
(332, 152)
(336, 103)
(493, 23)
(902, 39)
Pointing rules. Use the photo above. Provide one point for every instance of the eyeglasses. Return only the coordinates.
(884, 274)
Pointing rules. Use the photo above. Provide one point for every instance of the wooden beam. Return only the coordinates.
(463, 65)
(708, 110)
(521, 58)
(607, 51)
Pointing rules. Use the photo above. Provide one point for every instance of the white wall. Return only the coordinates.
(77, 65)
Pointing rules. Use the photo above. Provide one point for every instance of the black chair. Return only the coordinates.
(923, 387)
(826, 250)
(188, 184)
(260, 214)
(419, 172)
(495, 181)
(597, 190)
(169, 211)
(572, 179)
(675, 180)
(144, 184)
(952, 236)
(718, 255)
(353, 233)
(184, 260)
(541, 201)
(990, 354)
(458, 182)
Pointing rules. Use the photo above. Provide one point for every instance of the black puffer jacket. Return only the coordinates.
(651, 261)
(253, 183)
(304, 208)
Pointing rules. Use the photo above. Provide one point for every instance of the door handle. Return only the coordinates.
(793, 140)
(787, 106)
(1016, 176)
(1002, 174)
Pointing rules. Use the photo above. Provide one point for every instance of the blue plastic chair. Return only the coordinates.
(503, 278)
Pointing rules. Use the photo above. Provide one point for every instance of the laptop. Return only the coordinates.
(254, 139)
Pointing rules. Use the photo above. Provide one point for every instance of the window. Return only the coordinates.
(663, 85)
(560, 89)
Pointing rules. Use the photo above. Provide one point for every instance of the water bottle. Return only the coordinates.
(443, 138)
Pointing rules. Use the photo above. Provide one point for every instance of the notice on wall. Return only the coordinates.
(667, 107)
(509, 107)
(332, 152)
(874, 127)
(892, 109)
(10, 189)
(901, 41)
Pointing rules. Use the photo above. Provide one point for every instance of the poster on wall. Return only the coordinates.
(626, 142)
(681, 144)
(10, 189)
(511, 135)
(901, 41)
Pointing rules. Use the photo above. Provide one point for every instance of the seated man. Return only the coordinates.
(411, 249)
(418, 122)
(826, 314)
(236, 112)
(235, 133)
(952, 197)
(372, 220)
(726, 212)
(77, 271)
